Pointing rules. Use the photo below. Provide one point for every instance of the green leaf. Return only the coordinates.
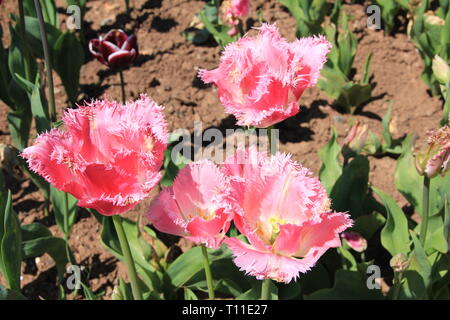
(34, 36)
(227, 279)
(255, 292)
(349, 285)
(55, 247)
(37, 102)
(140, 249)
(48, 11)
(407, 180)
(191, 262)
(9, 294)
(62, 209)
(33, 231)
(315, 279)
(189, 294)
(368, 224)
(418, 275)
(10, 243)
(394, 236)
(68, 57)
(350, 190)
(331, 168)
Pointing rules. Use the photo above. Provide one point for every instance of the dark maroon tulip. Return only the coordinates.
(116, 49)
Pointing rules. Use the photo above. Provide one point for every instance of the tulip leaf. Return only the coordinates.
(64, 206)
(407, 179)
(48, 11)
(55, 247)
(10, 242)
(348, 285)
(33, 231)
(227, 279)
(331, 168)
(33, 35)
(255, 292)
(9, 294)
(394, 236)
(191, 262)
(68, 57)
(350, 190)
(315, 279)
(418, 275)
(367, 225)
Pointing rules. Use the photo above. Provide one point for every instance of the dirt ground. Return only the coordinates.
(167, 71)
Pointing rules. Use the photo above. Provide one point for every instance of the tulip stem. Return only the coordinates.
(122, 85)
(127, 5)
(127, 257)
(48, 60)
(265, 289)
(397, 285)
(208, 273)
(425, 209)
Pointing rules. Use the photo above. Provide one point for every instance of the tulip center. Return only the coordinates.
(206, 215)
(269, 229)
(148, 143)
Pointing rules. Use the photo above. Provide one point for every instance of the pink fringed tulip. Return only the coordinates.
(435, 158)
(355, 241)
(195, 206)
(108, 157)
(284, 213)
(260, 79)
(117, 50)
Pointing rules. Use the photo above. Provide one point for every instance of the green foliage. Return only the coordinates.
(336, 77)
(349, 285)
(394, 236)
(431, 35)
(310, 14)
(209, 25)
(10, 242)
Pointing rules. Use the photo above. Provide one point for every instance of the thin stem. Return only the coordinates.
(122, 85)
(397, 285)
(425, 209)
(127, 6)
(208, 273)
(67, 233)
(26, 54)
(48, 60)
(128, 258)
(265, 289)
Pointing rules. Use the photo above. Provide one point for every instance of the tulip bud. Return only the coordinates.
(435, 157)
(355, 241)
(399, 262)
(116, 295)
(432, 19)
(441, 70)
(117, 50)
(356, 139)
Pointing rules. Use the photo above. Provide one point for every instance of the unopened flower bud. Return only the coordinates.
(356, 138)
(116, 295)
(435, 157)
(432, 19)
(441, 70)
(355, 241)
(399, 262)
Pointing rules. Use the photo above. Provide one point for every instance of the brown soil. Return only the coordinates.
(166, 70)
